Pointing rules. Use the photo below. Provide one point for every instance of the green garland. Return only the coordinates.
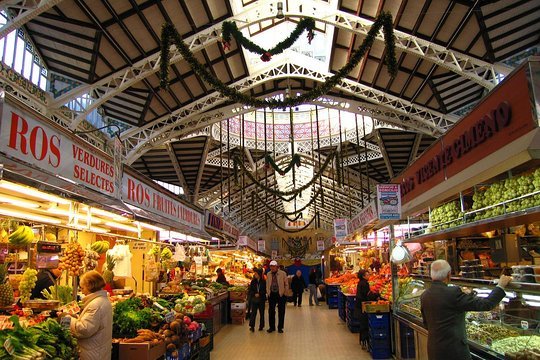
(296, 160)
(285, 213)
(285, 193)
(293, 231)
(229, 29)
(339, 170)
(170, 35)
(293, 219)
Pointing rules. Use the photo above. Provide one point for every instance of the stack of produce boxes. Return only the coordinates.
(238, 296)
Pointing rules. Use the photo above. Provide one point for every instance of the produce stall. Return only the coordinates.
(483, 217)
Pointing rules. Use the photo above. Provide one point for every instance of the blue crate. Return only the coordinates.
(379, 335)
(381, 354)
(379, 321)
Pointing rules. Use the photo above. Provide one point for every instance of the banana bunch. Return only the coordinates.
(100, 247)
(24, 235)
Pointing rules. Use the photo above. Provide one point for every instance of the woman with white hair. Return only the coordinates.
(443, 312)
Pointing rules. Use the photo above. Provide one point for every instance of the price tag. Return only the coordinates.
(524, 324)
(490, 316)
(65, 322)
(169, 317)
(9, 346)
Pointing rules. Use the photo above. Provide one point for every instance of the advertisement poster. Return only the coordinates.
(340, 229)
(320, 245)
(389, 201)
(261, 245)
(274, 254)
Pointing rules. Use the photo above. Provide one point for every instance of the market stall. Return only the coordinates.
(483, 220)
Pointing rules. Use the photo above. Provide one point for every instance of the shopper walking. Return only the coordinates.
(257, 294)
(313, 287)
(277, 286)
(443, 312)
(298, 284)
(363, 294)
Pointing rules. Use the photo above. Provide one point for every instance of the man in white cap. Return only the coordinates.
(277, 286)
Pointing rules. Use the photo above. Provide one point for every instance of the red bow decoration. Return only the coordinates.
(226, 45)
(266, 56)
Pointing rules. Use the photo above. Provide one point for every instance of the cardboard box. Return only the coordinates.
(237, 295)
(141, 351)
(238, 320)
(238, 305)
(238, 312)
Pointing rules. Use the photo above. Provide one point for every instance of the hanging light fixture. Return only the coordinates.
(280, 14)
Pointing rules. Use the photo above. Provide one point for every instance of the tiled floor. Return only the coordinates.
(311, 332)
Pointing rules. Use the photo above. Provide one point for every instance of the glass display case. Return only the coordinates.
(512, 329)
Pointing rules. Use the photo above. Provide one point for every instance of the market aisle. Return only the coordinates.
(311, 332)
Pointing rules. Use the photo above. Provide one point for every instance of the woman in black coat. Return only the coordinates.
(257, 295)
(363, 294)
(298, 285)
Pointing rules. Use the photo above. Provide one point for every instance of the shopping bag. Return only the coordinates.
(319, 295)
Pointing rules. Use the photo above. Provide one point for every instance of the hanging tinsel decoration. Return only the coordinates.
(296, 191)
(295, 160)
(319, 152)
(169, 36)
(359, 162)
(311, 201)
(291, 231)
(229, 30)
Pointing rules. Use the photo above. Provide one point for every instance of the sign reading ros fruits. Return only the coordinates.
(137, 193)
(389, 201)
(24, 137)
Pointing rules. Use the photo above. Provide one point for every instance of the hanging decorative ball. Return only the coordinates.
(226, 45)
(310, 36)
(266, 56)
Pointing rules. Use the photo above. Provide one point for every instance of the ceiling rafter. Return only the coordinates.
(177, 168)
(200, 170)
(146, 135)
(471, 68)
(24, 10)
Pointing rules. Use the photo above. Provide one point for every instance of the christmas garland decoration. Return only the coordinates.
(293, 219)
(170, 35)
(285, 213)
(292, 231)
(229, 29)
(338, 170)
(296, 160)
(284, 193)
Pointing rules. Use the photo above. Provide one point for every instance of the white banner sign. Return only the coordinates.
(320, 245)
(139, 194)
(364, 217)
(242, 241)
(389, 201)
(24, 137)
(340, 229)
(274, 254)
(261, 245)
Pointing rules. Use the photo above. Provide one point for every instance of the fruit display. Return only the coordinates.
(23, 236)
(155, 250)
(27, 284)
(412, 307)
(100, 247)
(108, 273)
(72, 259)
(50, 237)
(487, 333)
(166, 254)
(516, 344)
(445, 216)
(350, 286)
(176, 332)
(341, 279)
(6, 291)
(90, 260)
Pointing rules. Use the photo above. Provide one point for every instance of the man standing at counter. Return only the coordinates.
(443, 312)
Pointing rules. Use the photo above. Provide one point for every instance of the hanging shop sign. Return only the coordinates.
(261, 245)
(340, 229)
(389, 201)
(365, 217)
(242, 241)
(320, 245)
(297, 224)
(504, 116)
(215, 222)
(274, 254)
(142, 195)
(25, 137)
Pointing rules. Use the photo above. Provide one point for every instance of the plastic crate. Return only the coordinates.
(381, 353)
(379, 321)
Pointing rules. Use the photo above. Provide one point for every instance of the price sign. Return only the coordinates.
(65, 322)
(9, 346)
(489, 316)
(524, 324)
(169, 317)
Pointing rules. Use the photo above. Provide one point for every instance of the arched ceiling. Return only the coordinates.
(450, 54)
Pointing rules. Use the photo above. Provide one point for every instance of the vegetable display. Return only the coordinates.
(486, 333)
(62, 293)
(192, 304)
(516, 344)
(131, 315)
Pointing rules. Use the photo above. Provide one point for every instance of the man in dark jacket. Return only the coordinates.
(443, 312)
(257, 294)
